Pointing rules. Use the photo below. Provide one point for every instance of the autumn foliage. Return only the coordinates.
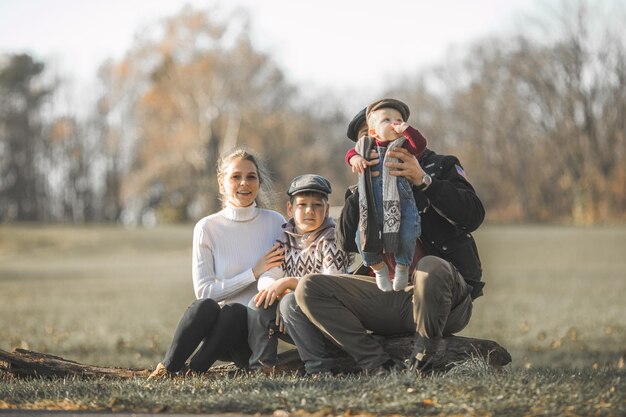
(537, 119)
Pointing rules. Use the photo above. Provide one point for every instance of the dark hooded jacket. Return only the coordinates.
(449, 210)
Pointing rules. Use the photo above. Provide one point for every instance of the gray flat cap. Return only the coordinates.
(389, 103)
(309, 183)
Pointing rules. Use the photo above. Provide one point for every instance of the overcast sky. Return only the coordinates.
(325, 44)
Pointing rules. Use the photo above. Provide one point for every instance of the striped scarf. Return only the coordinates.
(391, 200)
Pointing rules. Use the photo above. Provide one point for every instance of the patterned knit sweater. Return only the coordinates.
(309, 253)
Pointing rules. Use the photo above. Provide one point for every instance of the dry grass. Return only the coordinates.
(111, 296)
(94, 294)
(520, 392)
(554, 294)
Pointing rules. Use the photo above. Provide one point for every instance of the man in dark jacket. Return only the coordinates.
(446, 278)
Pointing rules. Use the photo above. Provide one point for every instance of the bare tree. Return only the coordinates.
(538, 117)
(22, 95)
(576, 84)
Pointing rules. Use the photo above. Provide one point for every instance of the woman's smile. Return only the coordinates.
(241, 183)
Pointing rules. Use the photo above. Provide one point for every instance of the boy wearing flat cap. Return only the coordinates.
(388, 217)
(309, 242)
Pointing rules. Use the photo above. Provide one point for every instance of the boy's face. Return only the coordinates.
(308, 212)
(381, 124)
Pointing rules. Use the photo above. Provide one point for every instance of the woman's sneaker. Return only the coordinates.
(160, 372)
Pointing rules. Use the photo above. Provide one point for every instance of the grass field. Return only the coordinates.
(112, 296)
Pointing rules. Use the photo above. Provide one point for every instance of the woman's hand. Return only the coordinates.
(271, 259)
(407, 166)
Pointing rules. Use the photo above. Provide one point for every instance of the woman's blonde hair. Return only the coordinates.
(264, 196)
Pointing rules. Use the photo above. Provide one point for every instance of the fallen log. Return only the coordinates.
(23, 363)
(458, 350)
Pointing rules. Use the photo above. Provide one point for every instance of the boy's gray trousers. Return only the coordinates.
(349, 308)
(263, 336)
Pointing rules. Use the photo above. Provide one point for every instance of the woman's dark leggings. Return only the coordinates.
(221, 333)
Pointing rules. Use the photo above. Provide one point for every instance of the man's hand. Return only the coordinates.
(274, 257)
(407, 166)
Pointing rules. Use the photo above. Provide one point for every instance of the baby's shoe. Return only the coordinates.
(382, 278)
(401, 277)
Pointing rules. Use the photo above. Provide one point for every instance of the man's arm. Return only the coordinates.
(450, 194)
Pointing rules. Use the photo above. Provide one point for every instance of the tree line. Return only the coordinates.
(537, 118)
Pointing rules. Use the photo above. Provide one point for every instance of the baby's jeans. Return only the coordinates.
(410, 228)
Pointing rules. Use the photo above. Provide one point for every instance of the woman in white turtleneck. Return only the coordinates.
(231, 249)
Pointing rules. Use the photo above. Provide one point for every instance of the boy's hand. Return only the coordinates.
(266, 297)
(269, 295)
(274, 257)
(358, 164)
(400, 127)
(279, 322)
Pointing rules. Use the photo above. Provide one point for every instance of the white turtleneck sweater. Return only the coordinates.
(226, 246)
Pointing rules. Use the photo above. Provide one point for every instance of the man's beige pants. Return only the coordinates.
(348, 308)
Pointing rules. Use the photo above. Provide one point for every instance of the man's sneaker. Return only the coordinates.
(263, 369)
(428, 355)
(160, 372)
(322, 374)
(385, 369)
